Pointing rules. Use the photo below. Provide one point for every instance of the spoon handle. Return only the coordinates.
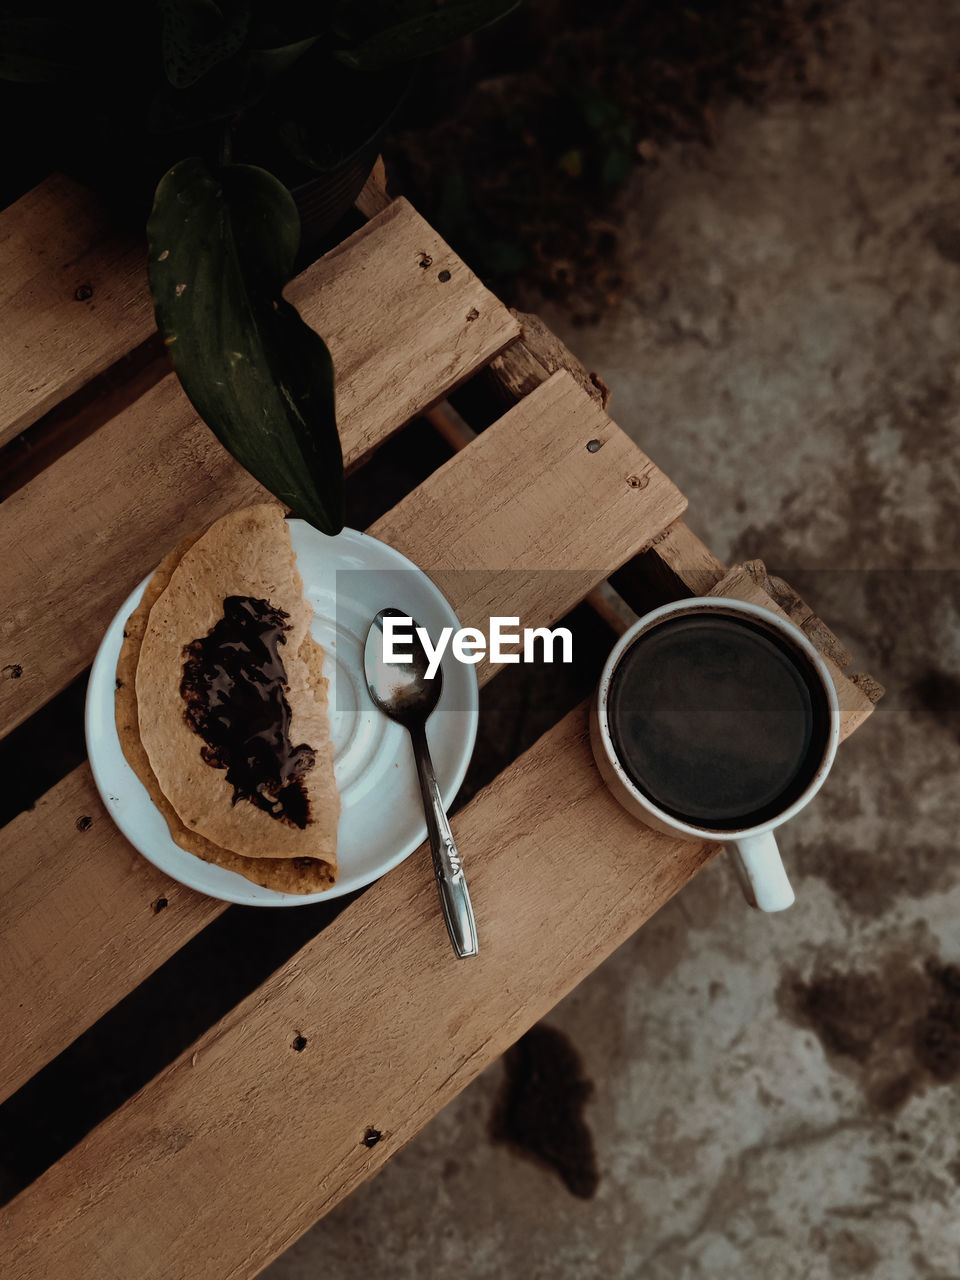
(451, 882)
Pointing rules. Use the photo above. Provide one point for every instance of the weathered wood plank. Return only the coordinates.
(185, 1180)
(676, 565)
(68, 423)
(79, 924)
(481, 513)
(373, 199)
(79, 536)
(689, 560)
(535, 464)
(677, 556)
(523, 366)
(868, 686)
(800, 613)
(405, 319)
(73, 298)
(854, 703)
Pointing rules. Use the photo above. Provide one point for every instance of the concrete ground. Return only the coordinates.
(773, 1097)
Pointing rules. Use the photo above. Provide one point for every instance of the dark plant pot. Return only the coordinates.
(324, 200)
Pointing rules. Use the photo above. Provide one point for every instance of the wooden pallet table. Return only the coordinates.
(241, 1143)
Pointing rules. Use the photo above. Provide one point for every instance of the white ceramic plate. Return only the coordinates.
(381, 820)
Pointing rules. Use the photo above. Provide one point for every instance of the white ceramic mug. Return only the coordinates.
(753, 849)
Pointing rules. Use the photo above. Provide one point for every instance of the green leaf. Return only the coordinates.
(200, 34)
(222, 247)
(429, 27)
(265, 64)
(235, 86)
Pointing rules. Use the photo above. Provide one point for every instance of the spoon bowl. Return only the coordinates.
(400, 689)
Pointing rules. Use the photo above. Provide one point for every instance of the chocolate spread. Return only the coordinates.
(234, 686)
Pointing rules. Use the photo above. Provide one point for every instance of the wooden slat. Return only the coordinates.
(675, 566)
(73, 298)
(476, 513)
(80, 535)
(868, 686)
(800, 613)
(677, 556)
(854, 704)
(537, 468)
(684, 556)
(227, 1156)
(526, 364)
(405, 319)
(373, 199)
(79, 923)
(72, 420)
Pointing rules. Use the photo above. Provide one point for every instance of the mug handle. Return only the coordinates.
(760, 872)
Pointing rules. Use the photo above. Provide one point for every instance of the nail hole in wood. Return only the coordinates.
(83, 292)
(638, 482)
(14, 671)
(159, 905)
(426, 261)
(443, 276)
(372, 1137)
(299, 1044)
(472, 314)
(84, 823)
(594, 446)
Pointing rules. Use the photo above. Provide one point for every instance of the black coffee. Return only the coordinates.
(717, 720)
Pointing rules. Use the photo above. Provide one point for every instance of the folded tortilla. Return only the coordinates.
(247, 553)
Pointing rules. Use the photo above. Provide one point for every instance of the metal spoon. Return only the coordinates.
(403, 692)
